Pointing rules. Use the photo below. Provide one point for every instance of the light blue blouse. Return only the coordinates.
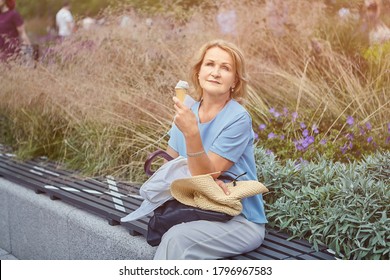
(230, 135)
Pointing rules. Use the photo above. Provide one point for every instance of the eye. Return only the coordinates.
(224, 67)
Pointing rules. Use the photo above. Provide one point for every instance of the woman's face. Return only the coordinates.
(217, 75)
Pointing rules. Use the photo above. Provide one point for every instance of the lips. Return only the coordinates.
(213, 82)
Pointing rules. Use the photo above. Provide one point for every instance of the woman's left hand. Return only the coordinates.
(185, 119)
(223, 186)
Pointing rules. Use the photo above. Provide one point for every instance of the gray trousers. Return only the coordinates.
(201, 240)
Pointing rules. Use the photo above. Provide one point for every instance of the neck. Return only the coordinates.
(4, 8)
(209, 108)
(214, 103)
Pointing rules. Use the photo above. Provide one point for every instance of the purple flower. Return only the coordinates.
(315, 129)
(387, 140)
(344, 148)
(303, 144)
(370, 139)
(256, 136)
(388, 127)
(310, 139)
(262, 127)
(307, 141)
(350, 120)
(323, 142)
(295, 116)
(269, 152)
(303, 161)
(305, 133)
(362, 131)
(285, 112)
(275, 113)
(271, 135)
(282, 137)
(368, 126)
(303, 125)
(350, 136)
(299, 147)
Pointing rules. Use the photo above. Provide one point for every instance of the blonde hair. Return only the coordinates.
(240, 89)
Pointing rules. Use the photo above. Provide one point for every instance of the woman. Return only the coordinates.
(12, 31)
(216, 134)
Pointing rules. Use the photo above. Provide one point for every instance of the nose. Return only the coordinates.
(215, 72)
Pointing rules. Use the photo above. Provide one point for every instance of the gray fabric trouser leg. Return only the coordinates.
(210, 240)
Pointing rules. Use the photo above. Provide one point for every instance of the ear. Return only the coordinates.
(235, 82)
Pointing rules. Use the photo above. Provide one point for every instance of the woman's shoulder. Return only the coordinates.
(237, 109)
(235, 113)
(14, 14)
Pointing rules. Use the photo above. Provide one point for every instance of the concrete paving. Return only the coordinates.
(35, 227)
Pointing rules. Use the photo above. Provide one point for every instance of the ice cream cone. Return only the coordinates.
(181, 90)
(181, 93)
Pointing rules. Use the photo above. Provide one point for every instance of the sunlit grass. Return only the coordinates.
(101, 101)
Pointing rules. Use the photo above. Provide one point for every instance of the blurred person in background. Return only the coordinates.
(378, 32)
(277, 17)
(227, 19)
(13, 36)
(64, 21)
(88, 23)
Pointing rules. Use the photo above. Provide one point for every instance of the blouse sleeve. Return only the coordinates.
(17, 19)
(233, 140)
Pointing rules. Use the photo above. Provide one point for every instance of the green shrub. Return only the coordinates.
(342, 206)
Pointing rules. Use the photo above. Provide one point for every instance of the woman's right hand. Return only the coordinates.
(185, 119)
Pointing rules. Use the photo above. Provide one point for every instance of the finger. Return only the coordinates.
(177, 102)
(180, 108)
(223, 186)
(177, 108)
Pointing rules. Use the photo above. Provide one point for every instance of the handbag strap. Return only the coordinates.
(228, 177)
(152, 157)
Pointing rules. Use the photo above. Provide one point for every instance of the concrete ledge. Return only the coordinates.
(35, 227)
(4, 255)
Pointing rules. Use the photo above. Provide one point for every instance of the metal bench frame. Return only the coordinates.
(114, 200)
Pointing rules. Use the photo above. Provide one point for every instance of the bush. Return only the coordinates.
(292, 136)
(342, 206)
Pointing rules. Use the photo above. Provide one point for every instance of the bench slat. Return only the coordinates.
(38, 182)
(274, 237)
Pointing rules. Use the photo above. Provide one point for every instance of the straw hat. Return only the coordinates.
(203, 192)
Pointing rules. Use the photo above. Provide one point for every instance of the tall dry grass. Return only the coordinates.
(101, 100)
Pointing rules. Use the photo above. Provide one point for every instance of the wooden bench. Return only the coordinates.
(113, 200)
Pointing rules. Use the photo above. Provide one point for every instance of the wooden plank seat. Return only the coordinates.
(113, 200)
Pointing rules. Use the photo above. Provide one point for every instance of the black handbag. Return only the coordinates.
(172, 213)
